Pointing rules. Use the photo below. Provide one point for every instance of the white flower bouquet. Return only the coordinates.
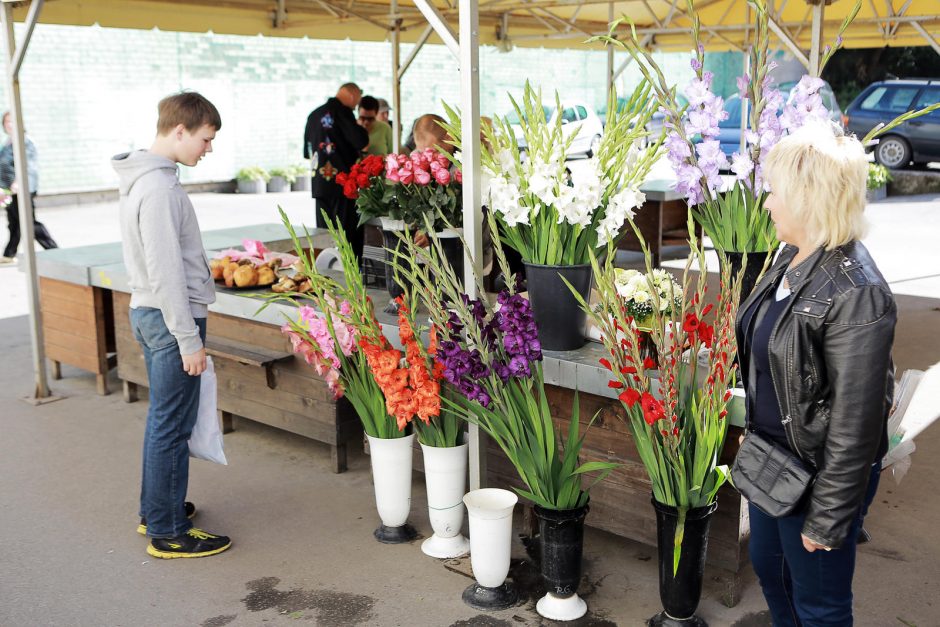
(642, 293)
(552, 215)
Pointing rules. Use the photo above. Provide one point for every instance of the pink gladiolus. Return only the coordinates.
(442, 176)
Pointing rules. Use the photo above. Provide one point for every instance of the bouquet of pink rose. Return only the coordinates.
(415, 185)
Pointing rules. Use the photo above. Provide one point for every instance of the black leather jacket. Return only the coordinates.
(831, 365)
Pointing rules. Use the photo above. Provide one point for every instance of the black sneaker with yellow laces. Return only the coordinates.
(193, 543)
(188, 507)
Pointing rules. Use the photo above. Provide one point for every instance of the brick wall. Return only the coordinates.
(91, 92)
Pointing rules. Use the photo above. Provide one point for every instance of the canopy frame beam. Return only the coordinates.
(930, 38)
(440, 25)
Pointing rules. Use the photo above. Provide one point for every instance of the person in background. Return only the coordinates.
(171, 290)
(334, 141)
(814, 343)
(380, 133)
(383, 112)
(8, 181)
(428, 133)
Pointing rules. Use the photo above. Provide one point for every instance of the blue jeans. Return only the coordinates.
(174, 405)
(804, 589)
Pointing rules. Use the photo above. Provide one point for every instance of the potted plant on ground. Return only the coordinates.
(675, 400)
(877, 183)
(555, 217)
(342, 339)
(439, 431)
(301, 174)
(252, 180)
(490, 354)
(280, 181)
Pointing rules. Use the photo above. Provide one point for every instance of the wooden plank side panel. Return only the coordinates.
(69, 325)
(77, 294)
(53, 305)
(81, 345)
(78, 359)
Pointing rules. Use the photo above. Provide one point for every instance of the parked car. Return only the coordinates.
(576, 119)
(915, 141)
(729, 131)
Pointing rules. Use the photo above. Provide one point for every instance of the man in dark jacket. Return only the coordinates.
(335, 142)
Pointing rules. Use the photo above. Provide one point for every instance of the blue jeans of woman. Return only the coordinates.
(174, 405)
(805, 589)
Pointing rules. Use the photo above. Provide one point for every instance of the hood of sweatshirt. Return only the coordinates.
(130, 166)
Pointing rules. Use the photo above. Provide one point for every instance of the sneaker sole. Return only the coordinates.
(142, 529)
(169, 555)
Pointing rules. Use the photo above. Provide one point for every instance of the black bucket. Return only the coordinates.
(755, 263)
(559, 316)
(453, 252)
(561, 540)
(680, 594)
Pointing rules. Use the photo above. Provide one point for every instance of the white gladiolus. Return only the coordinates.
(620, 207)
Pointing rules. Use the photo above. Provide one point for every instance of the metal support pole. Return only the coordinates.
(469, 45)
(25, 202)
(396, 77)
(816, 41)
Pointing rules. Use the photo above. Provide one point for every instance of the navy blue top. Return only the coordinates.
(766, 419)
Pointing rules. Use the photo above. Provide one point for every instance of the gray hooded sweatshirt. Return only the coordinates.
(163, 251)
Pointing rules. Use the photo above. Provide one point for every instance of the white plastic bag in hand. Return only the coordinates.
(206, 439)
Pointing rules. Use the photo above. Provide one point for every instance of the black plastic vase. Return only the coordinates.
(453, 252)
(755, 263)
(561, 540)
(680, 592)
(559, 316)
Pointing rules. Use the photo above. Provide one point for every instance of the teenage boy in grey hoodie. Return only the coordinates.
(171, 289)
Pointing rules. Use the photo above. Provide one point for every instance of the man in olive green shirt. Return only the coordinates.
(380, 133)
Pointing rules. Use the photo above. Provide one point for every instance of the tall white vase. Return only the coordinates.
(391, 474)
(445, 474)
(490, 512)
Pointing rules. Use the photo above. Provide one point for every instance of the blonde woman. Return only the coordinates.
(815, 341)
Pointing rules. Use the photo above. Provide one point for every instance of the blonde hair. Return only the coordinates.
(821, 179)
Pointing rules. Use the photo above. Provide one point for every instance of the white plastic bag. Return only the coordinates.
(206, 439)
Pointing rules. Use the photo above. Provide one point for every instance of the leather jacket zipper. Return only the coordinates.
(787, 420)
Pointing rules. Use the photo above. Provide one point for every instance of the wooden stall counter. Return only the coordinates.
(259, 378)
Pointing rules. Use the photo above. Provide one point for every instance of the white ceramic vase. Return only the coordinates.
(445, 474)
(490, 513)
(391, 474)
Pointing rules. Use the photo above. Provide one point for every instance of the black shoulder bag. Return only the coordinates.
(770, 476)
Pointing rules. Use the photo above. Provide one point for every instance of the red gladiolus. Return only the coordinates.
(706, 333)
(722, 414)
(629, 397)
(707, 309)
(653, 409)
(628, 370)
(606, 363)
(649, 363)
(615, 384)
(675, 431)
